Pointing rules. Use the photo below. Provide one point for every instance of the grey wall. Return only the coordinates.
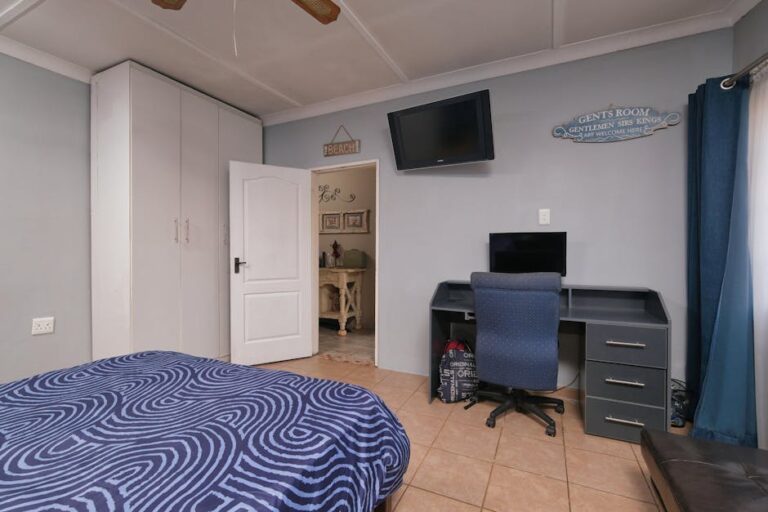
(44, 219)
(750, 36)
(622, 204)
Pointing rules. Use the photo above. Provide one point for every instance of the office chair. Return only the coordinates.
(517, 322)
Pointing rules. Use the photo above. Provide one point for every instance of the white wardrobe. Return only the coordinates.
(160, 155)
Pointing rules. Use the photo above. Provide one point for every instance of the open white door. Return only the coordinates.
(270, 263)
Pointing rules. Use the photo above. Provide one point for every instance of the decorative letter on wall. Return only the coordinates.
(616, 124)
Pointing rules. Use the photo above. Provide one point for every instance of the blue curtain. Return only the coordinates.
(720, 370)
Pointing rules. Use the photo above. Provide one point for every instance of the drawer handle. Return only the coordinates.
(634, 384)
(631, 423)
(626, 344)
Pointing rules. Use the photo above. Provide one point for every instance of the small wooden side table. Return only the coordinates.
(349, 283)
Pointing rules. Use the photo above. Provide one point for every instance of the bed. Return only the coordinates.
(162, 431)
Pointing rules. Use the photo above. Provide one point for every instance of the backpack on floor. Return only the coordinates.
(458, 373)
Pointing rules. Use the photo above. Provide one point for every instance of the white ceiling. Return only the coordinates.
(290, 66)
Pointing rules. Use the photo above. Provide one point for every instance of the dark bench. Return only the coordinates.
(692, 475)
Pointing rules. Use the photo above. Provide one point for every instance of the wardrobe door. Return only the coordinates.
(239, 140)
(199, 218)
(155, 224)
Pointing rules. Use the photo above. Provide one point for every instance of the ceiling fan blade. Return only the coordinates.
(170, 4)
(324, 11)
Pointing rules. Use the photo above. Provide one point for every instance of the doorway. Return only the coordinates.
(345, 202)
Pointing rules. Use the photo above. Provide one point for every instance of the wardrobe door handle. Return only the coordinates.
(176, 230)
(186, 224)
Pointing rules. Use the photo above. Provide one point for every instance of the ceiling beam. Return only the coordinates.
(183, 40)
(44, 60)
(16, 10)
(566, 53)
(558, 23)
(371, 40)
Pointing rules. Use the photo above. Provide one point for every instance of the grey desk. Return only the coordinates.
(624, 369)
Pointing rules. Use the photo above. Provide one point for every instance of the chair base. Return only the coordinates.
(520, 401)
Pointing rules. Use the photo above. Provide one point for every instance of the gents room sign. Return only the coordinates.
(616, 124)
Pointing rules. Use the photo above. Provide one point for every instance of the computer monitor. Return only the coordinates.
(515, 253)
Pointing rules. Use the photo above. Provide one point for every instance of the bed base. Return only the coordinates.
(386, 506)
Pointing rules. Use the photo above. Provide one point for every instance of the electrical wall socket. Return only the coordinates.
(544, 217)
(42, 325)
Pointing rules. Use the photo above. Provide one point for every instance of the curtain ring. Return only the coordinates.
(727, 87)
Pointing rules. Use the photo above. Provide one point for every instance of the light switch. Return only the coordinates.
(544, 217)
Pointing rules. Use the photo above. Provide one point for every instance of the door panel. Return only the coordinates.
(239, 140)
(279, 258)
(199, 226)
(155, 228)
(271, 292)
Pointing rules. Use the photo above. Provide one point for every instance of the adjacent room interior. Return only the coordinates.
(290, 255)
(346, 236)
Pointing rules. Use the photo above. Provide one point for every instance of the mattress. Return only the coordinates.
(162, 431)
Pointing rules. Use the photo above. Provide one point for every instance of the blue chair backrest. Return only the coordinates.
(518, 316)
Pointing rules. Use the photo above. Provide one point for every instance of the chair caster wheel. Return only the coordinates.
(560, 408)
(550, 431)
(490, 422)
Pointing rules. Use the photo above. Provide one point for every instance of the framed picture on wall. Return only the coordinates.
(330, 222)
(356, 221)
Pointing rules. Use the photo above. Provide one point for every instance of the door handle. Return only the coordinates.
(176, 230)
(186, 225)
(237, 265)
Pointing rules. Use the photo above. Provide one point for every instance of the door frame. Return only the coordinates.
(316, 250)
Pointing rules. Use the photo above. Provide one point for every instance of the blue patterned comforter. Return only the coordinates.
(160, 431)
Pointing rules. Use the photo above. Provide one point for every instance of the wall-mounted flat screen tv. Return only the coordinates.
(453, 131)
(515, 253)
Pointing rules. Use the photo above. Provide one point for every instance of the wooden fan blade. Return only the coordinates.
(170, 4)
(324, 11)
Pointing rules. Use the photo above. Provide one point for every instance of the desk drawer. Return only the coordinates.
(640, 346)
(621, 420)
(628, 383)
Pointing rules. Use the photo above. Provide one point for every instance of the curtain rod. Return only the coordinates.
(728, 83)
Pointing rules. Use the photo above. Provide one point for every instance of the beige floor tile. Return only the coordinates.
(274, 366)
(523, 424)
(455, 476)
(572, 414)
(477, 442)
(421, 429)
(511, 490)
(418, 500)
(418, 452)
(584, 499)
(532, 455)
(647, 474)
(359, 381)
(575, 437)
(403, 380)
(370, 372)
(419, 403)
(475, 415)
(607, 473)
(393, 397)
(397, 496)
